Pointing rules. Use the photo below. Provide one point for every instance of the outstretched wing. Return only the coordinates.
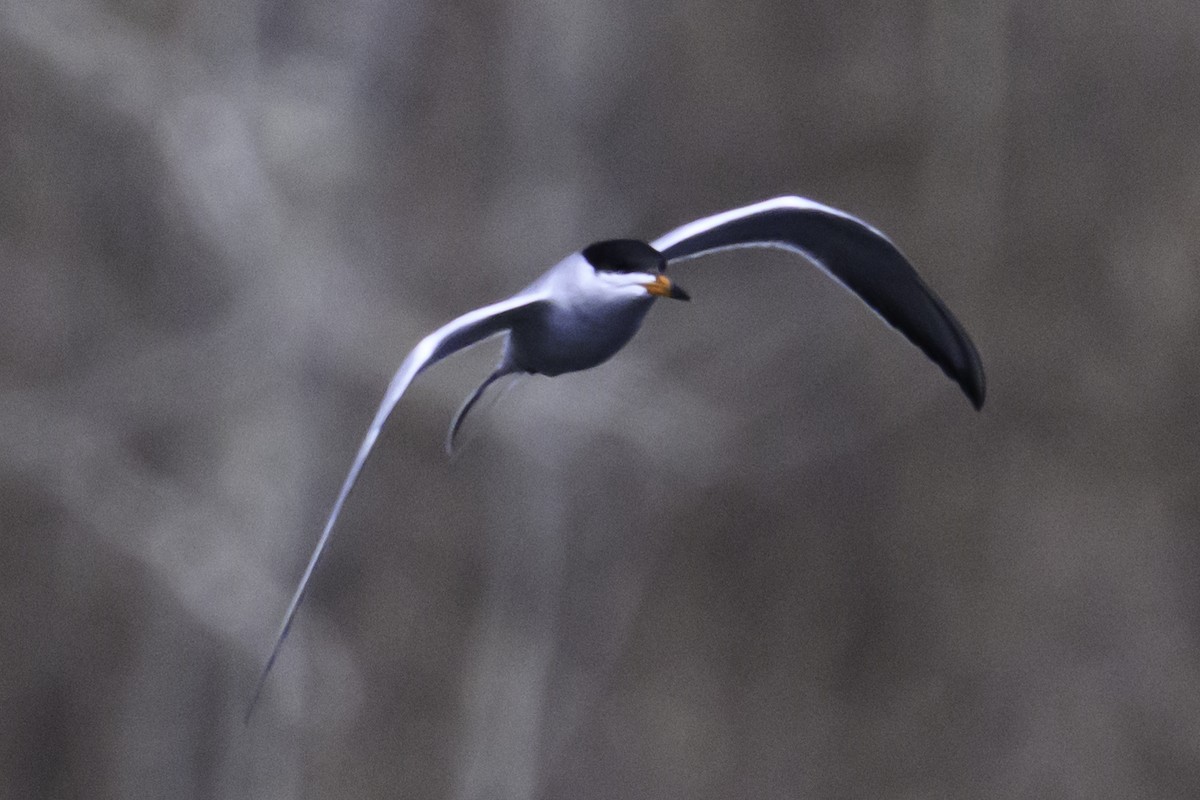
(469, 329)
(854, 254)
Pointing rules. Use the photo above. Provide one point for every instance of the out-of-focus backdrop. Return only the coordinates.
(769, 551)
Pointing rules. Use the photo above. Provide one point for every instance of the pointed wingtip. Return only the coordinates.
(253, 704)
(973, 383)
(267, 667)
(976, 395)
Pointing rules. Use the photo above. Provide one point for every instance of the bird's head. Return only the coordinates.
(635, 264)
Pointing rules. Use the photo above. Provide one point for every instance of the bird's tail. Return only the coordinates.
(452, 435)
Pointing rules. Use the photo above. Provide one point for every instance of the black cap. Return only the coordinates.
(625, 255)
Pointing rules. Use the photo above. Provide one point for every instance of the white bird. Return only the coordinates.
(585, 308)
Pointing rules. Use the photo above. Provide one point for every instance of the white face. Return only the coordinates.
(573, 280)
(626, 283)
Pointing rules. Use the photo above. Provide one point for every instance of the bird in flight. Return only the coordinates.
(588, 306)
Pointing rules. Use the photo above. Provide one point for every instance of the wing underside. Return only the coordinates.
(856, 255)
(467, 330)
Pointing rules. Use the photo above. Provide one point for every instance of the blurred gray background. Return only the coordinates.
(769, 551)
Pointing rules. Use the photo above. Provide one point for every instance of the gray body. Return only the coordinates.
(582, 322)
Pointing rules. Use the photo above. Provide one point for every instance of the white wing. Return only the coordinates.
(467, 330)
(854, 254)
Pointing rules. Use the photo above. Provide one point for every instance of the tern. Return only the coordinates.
(588, 306)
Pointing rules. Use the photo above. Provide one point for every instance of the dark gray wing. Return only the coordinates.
(469, 329)
(854, 254)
